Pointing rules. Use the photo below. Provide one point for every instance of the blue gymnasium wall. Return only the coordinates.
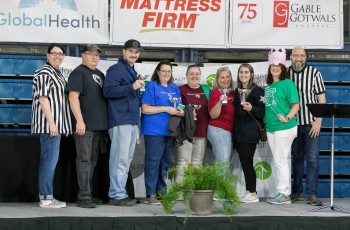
(15, 113)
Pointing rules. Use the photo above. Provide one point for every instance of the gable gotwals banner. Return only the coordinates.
(46, 21)
(169, 23)
(286, 23)
(315, 24)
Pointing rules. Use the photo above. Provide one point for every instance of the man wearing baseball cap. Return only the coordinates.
(89, 108)
(122, 90)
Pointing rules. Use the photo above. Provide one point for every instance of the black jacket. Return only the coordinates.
(246, 129)
(182, 128)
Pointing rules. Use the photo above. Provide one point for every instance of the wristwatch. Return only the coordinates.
(288, 118)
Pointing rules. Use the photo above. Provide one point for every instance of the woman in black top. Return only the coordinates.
(246, 131)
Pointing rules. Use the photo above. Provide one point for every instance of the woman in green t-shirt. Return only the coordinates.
(281, 105)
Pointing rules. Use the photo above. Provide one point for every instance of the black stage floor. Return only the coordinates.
(28, 216)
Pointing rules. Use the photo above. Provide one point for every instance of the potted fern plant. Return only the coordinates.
(210, 179)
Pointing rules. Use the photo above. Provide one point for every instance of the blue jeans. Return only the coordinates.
(159, 152)
(122, 151)
(305, 147)
(49, 152)
(87, 147)
(221, 141)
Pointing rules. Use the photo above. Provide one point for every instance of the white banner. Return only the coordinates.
(46, 21)
(170, 23)
(286, 23)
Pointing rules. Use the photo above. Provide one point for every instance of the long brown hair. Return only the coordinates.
(155, 76)
(251, 83)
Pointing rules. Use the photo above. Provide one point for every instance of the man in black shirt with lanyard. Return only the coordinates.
(309, 83)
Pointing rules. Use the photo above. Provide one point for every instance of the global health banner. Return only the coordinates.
(286, 23)
(46, 21)
(168, 23)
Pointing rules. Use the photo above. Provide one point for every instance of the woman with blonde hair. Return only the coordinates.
(221, 111)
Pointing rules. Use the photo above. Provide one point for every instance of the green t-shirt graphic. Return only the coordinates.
(279, 97)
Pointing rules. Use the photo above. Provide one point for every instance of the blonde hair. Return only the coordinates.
(218, 72)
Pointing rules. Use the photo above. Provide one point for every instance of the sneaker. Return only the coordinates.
(86, 203)
(122, 202)
(249, 198)
(52, 203)
(297, 197)
(152, 200)
(313, 200)
(280, 199)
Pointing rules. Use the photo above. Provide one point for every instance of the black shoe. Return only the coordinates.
(122, 202)
(86, 203)
(313, 200)
(297, 197)
(96, 200)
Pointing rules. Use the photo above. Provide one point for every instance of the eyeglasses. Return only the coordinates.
(166, 71)
(93, 54)
(57, 54)
(299, 56)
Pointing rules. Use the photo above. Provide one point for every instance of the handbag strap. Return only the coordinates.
(255, 120)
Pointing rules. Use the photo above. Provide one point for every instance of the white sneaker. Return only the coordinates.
(245, 194)
(250, 198)
(52, 203)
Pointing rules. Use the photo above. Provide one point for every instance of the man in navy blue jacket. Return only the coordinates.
(121, 88)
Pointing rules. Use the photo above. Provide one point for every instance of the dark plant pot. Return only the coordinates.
(201, 202)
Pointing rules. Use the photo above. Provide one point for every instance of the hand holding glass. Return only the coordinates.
(143, 77)
(243, 94)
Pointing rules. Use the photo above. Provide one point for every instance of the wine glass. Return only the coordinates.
(243, 94)
(143, 77)
(224, 91)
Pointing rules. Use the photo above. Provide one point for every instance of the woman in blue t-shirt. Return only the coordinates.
(159, 102)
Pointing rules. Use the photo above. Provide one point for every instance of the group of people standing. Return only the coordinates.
(89, 104)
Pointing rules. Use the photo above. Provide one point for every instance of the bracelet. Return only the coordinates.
(288, 118)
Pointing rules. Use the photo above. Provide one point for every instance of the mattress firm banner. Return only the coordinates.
(46, 21)
(270, 23)
(169, 23)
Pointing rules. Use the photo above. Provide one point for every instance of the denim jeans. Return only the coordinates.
(49, 152)
(87, 148)
(122, 151)
(304, 146)
(280, 143)
(221, 141)
(159, 153)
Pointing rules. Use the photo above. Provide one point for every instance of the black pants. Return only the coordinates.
(246, 153)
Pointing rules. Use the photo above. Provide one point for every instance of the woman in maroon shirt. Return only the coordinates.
(196, 95)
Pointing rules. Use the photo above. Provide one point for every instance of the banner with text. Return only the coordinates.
(171, 23)
(286, 23)
(46, 21)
